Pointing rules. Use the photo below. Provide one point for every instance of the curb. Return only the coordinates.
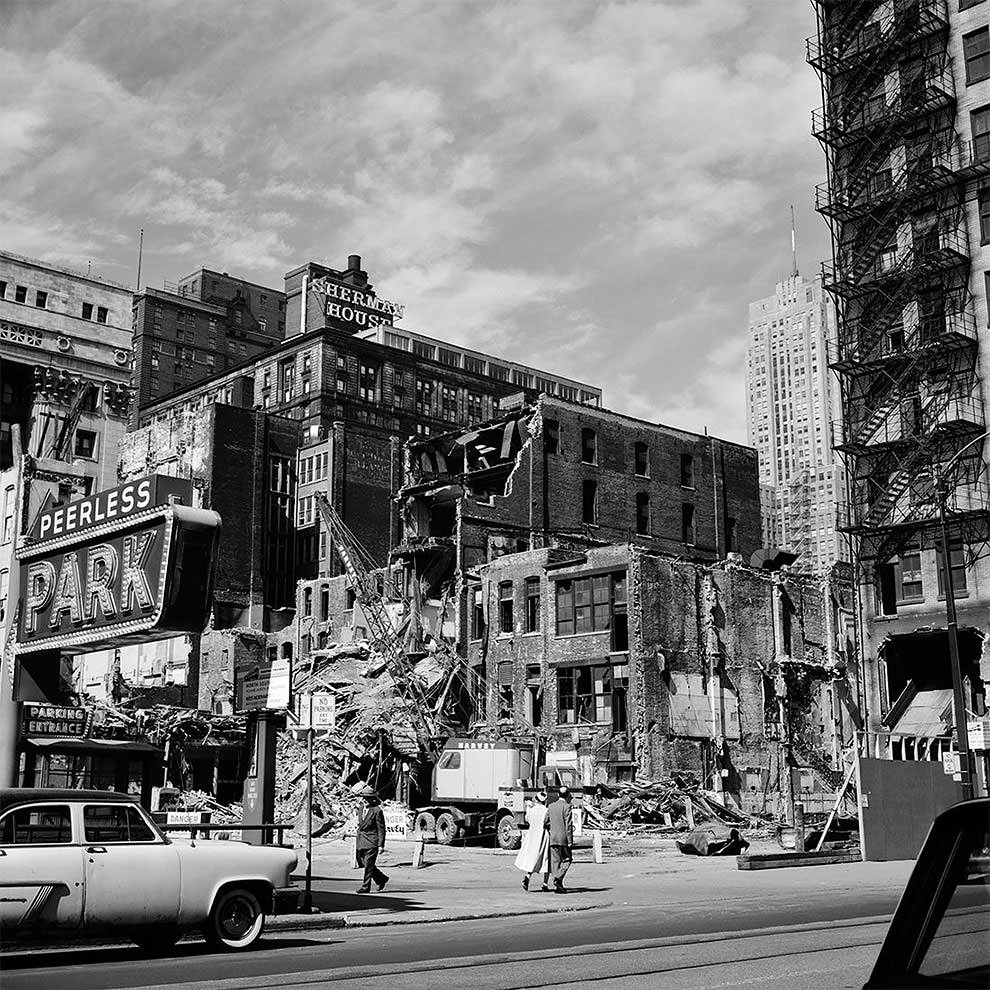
(316, 922)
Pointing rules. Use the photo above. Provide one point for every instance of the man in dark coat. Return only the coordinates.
(560, 824)
(370, 840)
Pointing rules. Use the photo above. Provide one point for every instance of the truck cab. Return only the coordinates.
(481, 786)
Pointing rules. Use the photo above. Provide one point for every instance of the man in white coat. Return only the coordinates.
(532, 857)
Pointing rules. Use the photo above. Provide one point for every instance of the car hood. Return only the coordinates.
(243, 854)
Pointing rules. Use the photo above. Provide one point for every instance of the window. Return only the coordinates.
(451, 760)
(368, 383)
(643, 513)
(957, 569)
(41, 299)
(589, 446)
(589, 501)
(475, 365)
(532, 604)
(687, 471)
(3, 290)
(908, 572)
(687, 524)
(4, 592)
(423, 350)
(20, 293)
(306, 511)
(307, 601)
(7, 519)
(324, 602)
(477, 615)
(101, 314)
(584, 605)
(451, 358)
(522, 379)
(424, 397)
(47, 824)
(87, 311)
(115, 823)
(984, 199)
(262, 324)
(448, 402)
(966, 4)
(474, 407)
(641, 453)
(593, 693)
(497, 372)
(85, 444)
(980, 128)
(976, 52)
(551, 434)
(505, 607)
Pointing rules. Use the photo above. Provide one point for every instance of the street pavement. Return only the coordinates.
(646, 917)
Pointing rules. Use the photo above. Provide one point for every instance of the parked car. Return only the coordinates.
(93, 862)
(940, 933)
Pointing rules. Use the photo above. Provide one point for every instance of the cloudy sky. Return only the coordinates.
(596, 189)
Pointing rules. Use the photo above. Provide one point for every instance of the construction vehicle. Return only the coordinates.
(481, 786)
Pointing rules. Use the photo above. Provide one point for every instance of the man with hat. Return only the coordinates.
(560, 825)
(370, 839)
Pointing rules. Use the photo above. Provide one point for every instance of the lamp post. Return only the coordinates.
(943, 488)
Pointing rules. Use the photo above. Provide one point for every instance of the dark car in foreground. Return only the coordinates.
(940, 933)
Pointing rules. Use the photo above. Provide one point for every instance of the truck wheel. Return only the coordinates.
(504, 833)
(446, 828)
(236, 919)
(426, 824)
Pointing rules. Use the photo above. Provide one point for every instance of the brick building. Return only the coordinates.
(355, 400)
(199, 327)
(647, 664)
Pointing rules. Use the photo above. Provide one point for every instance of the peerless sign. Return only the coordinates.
(145, 572)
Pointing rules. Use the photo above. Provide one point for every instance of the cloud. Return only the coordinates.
(595, 188)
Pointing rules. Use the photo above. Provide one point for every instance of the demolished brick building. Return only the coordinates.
(649, 665)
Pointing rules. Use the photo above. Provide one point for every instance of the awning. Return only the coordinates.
(93, 745)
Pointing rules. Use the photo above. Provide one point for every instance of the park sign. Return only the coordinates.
(140, 571)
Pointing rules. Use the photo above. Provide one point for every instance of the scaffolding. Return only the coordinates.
(906, 348)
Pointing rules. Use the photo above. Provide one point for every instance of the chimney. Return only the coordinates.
(354, 274)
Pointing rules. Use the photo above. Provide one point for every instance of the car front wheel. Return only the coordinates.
(236, 919)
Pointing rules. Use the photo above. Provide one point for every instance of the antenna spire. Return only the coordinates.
(794, 267)
(137, 285)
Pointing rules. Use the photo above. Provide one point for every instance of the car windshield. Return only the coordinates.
(959, 931)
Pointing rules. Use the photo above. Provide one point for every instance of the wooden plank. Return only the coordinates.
(775, 861)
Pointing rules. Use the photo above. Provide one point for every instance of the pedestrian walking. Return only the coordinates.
(560, 826)
(532, 856)
(370, 840)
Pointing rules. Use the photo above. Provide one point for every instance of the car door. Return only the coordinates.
(41, 868)
(132, 873)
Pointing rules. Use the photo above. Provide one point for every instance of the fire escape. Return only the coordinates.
(906, 348)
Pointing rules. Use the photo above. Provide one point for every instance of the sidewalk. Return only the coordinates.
(461, 883)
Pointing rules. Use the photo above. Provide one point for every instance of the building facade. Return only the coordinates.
(791, 405)
(559, 474)
(905, 124)
(65, 367)
(355, 399)
(649, 665)
(198, 328)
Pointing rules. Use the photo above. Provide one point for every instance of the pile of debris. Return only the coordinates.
(644, 806)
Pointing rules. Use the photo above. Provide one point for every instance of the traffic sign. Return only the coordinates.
(267, 686)
(317, 710)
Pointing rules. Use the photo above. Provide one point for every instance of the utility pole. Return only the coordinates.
(307, 904)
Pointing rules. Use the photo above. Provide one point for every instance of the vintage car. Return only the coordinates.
(79, 862)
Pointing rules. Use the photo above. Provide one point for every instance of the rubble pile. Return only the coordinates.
(651, 805)
(373, 739)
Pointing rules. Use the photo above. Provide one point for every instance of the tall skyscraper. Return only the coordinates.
(905, 125)
(791, 405)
